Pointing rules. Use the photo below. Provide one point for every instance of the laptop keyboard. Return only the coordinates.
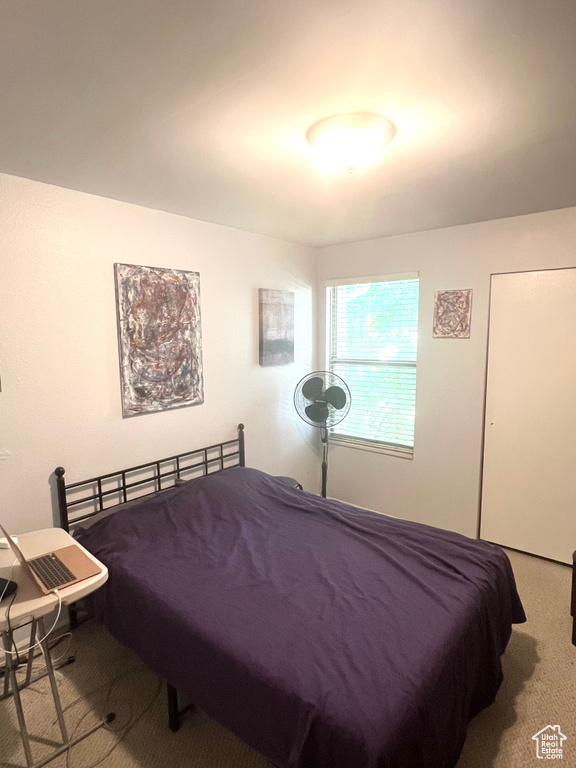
(51, 571)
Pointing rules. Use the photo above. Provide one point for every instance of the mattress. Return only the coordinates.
(321, 634)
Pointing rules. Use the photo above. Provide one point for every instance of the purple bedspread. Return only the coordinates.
(323, 635)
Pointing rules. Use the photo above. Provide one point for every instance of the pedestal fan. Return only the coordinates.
(322, 399)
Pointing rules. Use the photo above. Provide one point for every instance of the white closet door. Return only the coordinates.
(529, 477)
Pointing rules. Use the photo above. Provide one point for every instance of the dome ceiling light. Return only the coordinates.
(348, 142)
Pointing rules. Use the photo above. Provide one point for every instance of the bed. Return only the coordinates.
(323, 635)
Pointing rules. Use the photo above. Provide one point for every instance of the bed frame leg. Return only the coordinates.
(173, 714)
(73, 615)
(573, 599)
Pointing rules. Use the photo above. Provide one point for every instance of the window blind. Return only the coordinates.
(373, 339)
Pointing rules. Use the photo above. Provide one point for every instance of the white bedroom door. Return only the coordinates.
(529, 475)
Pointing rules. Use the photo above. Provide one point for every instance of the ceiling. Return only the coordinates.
(201, 108)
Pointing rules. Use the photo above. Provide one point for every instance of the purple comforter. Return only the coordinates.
(323, 635)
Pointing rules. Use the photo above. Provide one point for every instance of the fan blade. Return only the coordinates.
(336, 397)
(318, 412)
(312, 389)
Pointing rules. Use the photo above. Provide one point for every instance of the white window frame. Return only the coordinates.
(355, 442)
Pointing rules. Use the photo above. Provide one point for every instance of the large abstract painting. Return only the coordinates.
(160, 338)
(452, 313)
(276, 310)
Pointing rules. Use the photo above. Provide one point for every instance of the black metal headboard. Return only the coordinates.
(91, 497)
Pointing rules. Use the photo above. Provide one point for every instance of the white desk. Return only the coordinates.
(29, 603)
(29, 607)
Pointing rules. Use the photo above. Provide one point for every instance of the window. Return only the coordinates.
(372, 345)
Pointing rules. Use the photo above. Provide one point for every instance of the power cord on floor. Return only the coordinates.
(122, 729)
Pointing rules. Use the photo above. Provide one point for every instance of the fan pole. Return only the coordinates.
(324, 437)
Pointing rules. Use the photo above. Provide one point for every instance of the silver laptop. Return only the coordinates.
(58, 569)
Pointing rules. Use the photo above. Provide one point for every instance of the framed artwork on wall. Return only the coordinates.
(276, 327)
(159, 338)
(452, 314)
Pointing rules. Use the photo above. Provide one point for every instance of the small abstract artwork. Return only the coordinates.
(452, 314)
(160, 338)
(276, 325)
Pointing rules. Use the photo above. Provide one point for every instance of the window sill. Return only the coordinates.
(400, 453)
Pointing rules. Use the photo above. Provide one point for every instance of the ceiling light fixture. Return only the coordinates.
(347, 142)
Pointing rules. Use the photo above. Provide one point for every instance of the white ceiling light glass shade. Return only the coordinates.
(347, 142)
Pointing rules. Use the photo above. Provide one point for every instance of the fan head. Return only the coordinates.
(322, 399)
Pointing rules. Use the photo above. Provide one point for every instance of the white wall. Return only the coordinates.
(60, 399)
(60, 402)
(441, 485)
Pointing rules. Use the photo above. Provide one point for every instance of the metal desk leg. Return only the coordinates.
(6, 692)
(53, 682)
(8, 642)
(31, 653)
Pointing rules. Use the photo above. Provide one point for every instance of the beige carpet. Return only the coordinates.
(539, 689)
